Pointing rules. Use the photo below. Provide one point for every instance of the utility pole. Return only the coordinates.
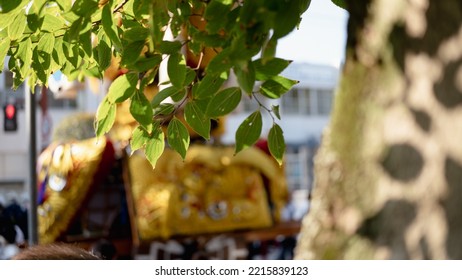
(31, 132)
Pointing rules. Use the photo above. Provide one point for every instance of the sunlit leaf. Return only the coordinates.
(4, 47)
(17, 27)
(249, 131)
(224, 102)
(147, 63)
(137, 33)
(276, 87)
(141, 110)
(139, 138)
(164, 109)
(164, 94)
(24, 56)
(276, 143)
(155, 146)
(51, 23)
(105, 117)
(178, 136)
(122, 88)
(110, 28)
(46, 43)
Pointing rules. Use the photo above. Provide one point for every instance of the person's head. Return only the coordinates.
(104, 249)
(55, 252)
(7, 229)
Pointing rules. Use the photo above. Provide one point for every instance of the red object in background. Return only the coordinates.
(10, 111)
(10, 122)
(262, 144)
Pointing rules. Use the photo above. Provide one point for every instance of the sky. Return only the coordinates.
(320, 38)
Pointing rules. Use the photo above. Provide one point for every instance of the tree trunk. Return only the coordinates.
(388, 181)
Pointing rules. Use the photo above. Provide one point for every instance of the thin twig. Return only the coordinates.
(116, 9)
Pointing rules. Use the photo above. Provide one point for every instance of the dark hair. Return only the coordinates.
(7, 229)
(55, 251)
(104, 249)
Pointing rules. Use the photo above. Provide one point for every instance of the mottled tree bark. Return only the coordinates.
(388, 175)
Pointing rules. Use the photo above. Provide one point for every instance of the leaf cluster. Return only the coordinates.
(81, 38)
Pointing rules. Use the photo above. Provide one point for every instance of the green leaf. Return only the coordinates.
(249, 131)
(11, 5)
(122, 88)
(104, 55)
(6, 20)
(178, 136)
(136, 33)
(246, 77)
(147, 63)
(176, 69)
(141, 110)
(214, 15)
(51, 23)
(169, 47)
(58, 53)
(132, 52)
(139, 139)
(38, 67)
(24, 56)
(4, 47)
(208, 86)
(74, 31)
(155, 146)
(276, 143)
(164, 109)
(190, 76)
(270, 68)
(46, 43)
(288, 17)
(105, 117)
(341, 3)
(276, 87)
(196, 118)
(220, 63)
(164, 94)
(85, 42)
(224, 102)
(84, 8)
(275, 110)
(33, 21)
(269, 49)
(17, 27)
(110, 28)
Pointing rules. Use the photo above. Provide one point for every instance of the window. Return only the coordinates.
(297, 169)
(304, 101)
(296, 101)
(324, 102)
